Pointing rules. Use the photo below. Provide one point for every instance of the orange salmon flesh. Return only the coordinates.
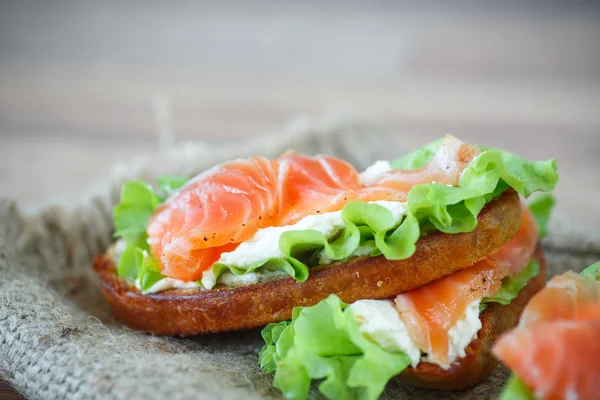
(555, 350)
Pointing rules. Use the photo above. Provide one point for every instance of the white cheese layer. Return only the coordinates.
(374, 172)
(167, 283)
(227, 279)
(463, 332)
(265, 242)
(249, 278)
(379, 321)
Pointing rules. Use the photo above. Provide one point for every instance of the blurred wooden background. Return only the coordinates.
(79, 80)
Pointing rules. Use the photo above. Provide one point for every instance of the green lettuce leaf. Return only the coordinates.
(417, 158)
(148, 271)
(512, 286)
(348, 365)
(137, 203)
(128, 263)
(455, 209)
(131, 215)
(526, 177)
(593, 271)
(268, 356)
(170, 184)
(515, 389)
(541, 207)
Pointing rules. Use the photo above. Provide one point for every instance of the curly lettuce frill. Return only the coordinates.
(349, 365)
(131, 216)
(593, 271)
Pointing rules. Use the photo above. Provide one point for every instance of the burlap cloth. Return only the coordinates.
(59, 341)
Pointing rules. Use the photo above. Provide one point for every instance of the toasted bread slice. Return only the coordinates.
(479, 362)
(187, 312)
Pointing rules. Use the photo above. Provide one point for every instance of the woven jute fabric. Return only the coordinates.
(58, 339)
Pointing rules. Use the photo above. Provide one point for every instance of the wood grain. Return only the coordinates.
(80, 81)
(8, 393)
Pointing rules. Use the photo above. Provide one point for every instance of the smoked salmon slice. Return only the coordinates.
(562, 298)
(313, 185)
(229, 203)
(445, 168)
(431, 311)
(555, 350)
(220, 207)
(559, 360)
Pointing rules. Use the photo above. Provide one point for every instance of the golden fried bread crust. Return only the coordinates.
(479, 362)
(190, 312)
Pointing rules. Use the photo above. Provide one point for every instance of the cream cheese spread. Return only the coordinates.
(379, 321)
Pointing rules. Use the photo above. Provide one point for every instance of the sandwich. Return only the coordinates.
(258, 242)
(554, 352)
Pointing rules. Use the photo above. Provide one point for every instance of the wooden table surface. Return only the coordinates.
(82, 84)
